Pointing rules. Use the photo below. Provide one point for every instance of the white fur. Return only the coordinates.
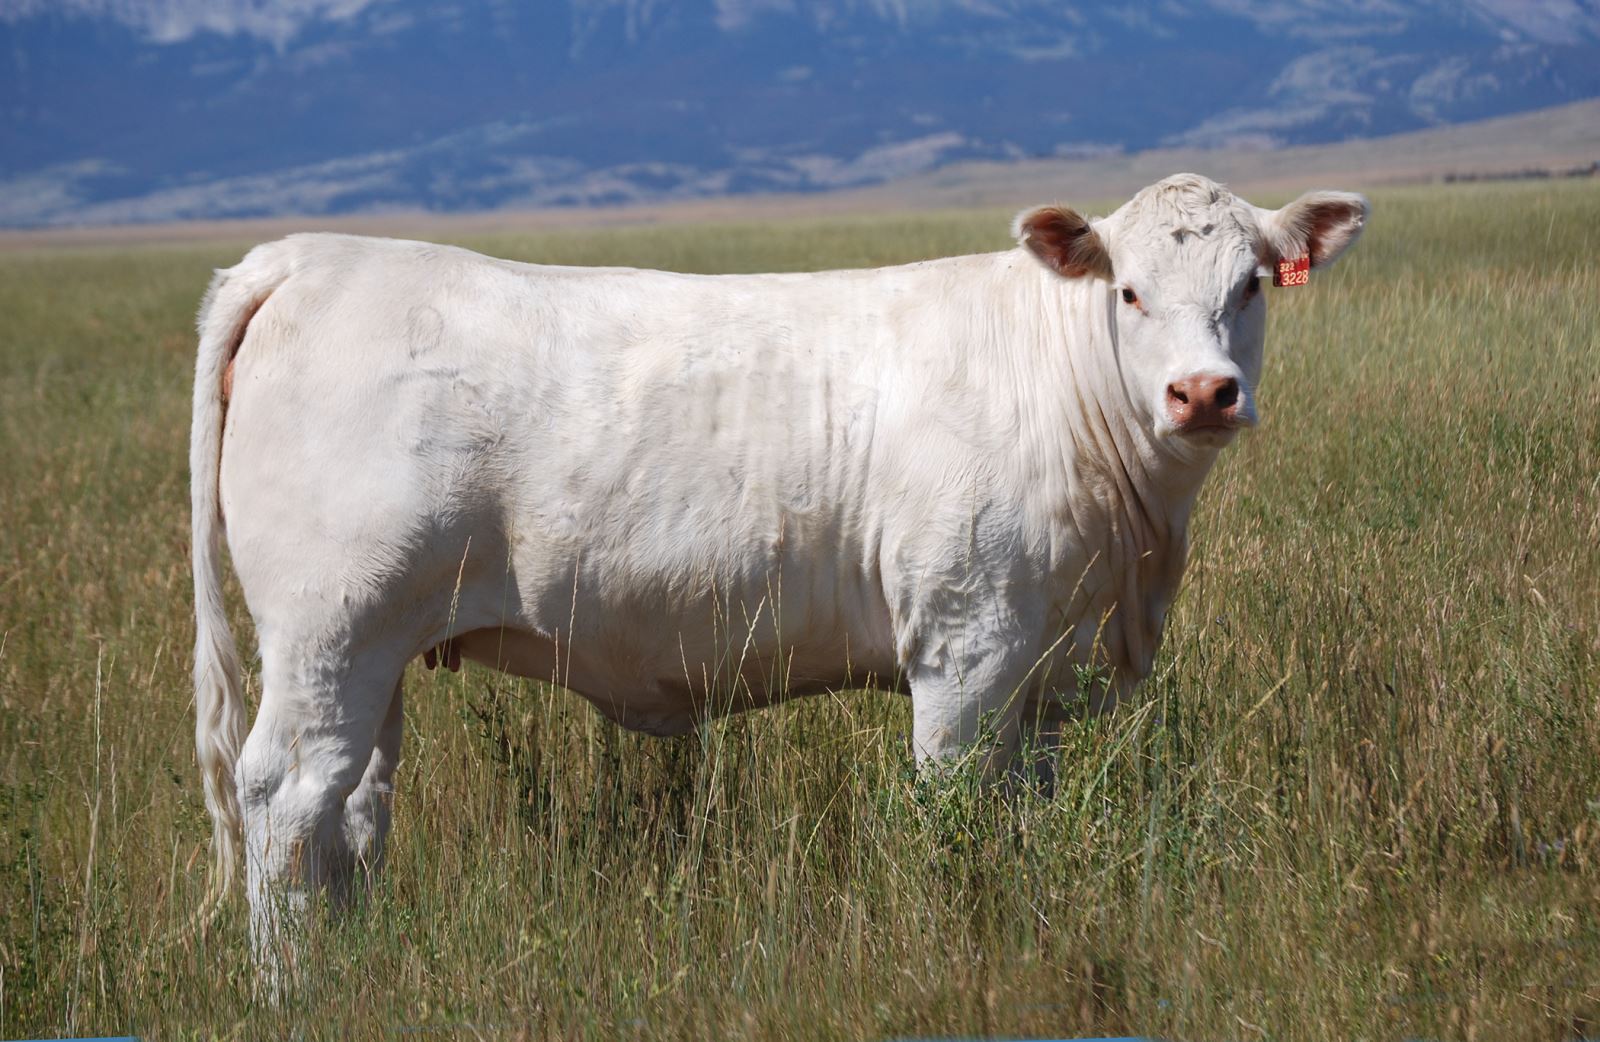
(681, 495)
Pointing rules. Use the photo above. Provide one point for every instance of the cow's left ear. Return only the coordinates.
(1321, 225)
(1065, 241)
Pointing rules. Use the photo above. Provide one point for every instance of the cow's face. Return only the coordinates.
(1182, 267)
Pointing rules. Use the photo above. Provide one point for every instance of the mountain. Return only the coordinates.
(139, 110)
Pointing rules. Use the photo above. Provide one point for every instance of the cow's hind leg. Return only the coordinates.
(368, 810)
(312, 743)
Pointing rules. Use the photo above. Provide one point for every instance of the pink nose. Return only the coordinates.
(1201, 402)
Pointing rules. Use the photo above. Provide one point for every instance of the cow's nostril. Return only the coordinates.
(1177, 395)
(1228, 395)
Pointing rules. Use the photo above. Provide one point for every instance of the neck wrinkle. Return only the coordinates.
(1127, 497)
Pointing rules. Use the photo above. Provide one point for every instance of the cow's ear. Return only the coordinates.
(1064, 241)
(1321, 225)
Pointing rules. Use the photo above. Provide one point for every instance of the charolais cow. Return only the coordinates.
(681, 495)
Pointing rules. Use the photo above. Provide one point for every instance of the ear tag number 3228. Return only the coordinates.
(1296, 272)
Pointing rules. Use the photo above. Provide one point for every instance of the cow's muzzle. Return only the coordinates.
(1206, 403)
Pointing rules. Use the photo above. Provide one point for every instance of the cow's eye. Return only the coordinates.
(1129, 296)
(1251, 288)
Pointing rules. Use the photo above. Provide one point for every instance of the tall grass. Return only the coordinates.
(1359, 798)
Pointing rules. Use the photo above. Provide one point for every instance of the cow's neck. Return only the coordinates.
(1127, 497)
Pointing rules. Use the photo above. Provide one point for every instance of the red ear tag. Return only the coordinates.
(1295, 272)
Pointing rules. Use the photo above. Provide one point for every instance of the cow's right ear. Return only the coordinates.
(1064, 241)
(1318, 225)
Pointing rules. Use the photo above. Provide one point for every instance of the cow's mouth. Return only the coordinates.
(1217, 427)
(1210, 432)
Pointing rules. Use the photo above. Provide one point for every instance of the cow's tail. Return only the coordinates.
(231, 301)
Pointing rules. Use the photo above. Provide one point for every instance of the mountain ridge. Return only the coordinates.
(149, 110)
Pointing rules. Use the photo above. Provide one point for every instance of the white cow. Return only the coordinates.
(682, 495)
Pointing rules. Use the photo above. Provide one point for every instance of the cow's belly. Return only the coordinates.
(664, 694)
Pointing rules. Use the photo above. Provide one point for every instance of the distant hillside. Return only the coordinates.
(149, 110)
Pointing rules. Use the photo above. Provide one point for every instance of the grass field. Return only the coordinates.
(1359, 800)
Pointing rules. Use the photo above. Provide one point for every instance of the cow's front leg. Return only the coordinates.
(1039, 747)
(967, 700)
(1066, 698)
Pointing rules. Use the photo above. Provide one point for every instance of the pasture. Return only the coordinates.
(1360, 798)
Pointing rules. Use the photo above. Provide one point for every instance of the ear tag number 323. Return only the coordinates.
(1296, 272)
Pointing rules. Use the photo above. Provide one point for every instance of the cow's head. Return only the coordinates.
(1182, 266)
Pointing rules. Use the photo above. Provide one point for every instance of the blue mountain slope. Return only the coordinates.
(114, 110)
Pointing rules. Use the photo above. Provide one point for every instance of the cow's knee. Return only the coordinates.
(964, 723)
(292, 811)
(968, 709)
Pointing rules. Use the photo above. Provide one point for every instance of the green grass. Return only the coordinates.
(1359, 799)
